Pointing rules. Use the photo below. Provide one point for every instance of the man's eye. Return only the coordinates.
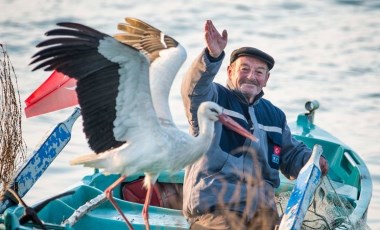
(259, 73)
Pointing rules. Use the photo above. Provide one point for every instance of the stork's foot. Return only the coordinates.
(145, 210)
(145, 215)
(108, 192)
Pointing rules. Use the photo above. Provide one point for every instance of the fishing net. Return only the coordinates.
(12, 145)
(328, 209)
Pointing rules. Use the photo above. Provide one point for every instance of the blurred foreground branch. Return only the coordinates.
(12, 145)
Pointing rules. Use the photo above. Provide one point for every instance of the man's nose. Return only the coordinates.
(252, 75)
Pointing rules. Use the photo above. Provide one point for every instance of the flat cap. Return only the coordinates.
(253, 52)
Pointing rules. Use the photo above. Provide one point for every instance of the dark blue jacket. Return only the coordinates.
(236, 173)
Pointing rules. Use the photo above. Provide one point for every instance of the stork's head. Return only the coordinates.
(214, 112)
(210, 110)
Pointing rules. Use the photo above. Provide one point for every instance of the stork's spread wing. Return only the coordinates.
(144, 37)
(166, 56)
(112, 82)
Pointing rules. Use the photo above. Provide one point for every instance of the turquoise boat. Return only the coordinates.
(347, 191)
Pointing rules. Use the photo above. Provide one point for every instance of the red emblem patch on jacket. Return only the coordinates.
(277, 150)
(276, 154)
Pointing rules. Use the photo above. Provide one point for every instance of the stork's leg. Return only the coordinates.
(145, 213)
(109, 195)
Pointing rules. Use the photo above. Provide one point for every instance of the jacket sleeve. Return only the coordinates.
(197, 85)
(294, 156)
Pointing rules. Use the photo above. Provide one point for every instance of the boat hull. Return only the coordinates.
(348, 175)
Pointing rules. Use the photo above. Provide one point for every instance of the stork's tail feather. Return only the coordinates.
(89, 160)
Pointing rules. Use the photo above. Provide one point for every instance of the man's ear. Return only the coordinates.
(266, 80)
(229, 72)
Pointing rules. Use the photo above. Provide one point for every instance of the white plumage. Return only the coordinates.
(123, 88)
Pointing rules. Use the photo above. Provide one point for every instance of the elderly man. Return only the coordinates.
(232, 186)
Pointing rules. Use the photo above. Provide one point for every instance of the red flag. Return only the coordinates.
(57, 92)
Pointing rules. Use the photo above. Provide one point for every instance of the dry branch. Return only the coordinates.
(12, 145)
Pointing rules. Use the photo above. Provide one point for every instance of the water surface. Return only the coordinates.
(324, 50)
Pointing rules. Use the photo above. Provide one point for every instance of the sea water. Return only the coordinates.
(324, 50)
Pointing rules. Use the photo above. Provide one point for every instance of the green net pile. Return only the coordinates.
(328, 209)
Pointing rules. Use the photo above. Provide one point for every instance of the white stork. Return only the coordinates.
(126, 120)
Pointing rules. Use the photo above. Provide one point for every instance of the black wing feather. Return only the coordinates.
(74, 52)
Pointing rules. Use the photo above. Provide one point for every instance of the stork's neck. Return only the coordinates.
(206, 132)
(200, 143)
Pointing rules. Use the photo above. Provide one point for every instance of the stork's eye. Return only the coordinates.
(214, 110)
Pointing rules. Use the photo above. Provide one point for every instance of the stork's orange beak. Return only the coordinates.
(233, 125)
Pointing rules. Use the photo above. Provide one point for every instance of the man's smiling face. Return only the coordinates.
(249, 75)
